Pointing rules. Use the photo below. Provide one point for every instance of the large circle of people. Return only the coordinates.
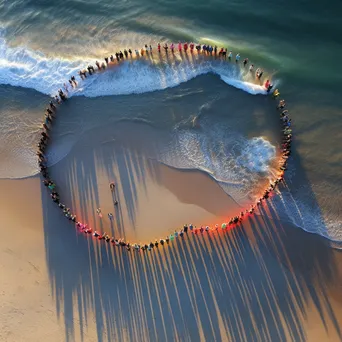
(209, 50)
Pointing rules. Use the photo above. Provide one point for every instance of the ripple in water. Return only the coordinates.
(239, 164)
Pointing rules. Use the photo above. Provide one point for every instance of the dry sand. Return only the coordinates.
(262, 282)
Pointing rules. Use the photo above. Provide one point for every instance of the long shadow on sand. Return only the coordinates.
(253, 283)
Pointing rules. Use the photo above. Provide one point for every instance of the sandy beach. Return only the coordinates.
(189, 134)
(265, 281)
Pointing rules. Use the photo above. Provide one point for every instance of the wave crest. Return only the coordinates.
(22, 67)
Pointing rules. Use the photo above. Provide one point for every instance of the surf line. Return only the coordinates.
(186, 49)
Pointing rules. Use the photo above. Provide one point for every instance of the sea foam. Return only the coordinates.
(22, 67)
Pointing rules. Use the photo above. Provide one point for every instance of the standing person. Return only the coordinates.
(275, 94)
(281, 104)
(172, 47)
(179, 46)
(61, 94)
(260, 74)
(57, 99)
(230, 55)
(245, 61)
(66, 87)
(112, 186)
(165, 47)
(73, 79)
(52, 106)
(251, 67)
(81, 75)
(237, 57)
(185, 47)
(151, 49)
(267, 84)
(159, 47)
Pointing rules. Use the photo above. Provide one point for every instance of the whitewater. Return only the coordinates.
(22, 67)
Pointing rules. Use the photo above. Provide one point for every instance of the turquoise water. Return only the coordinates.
(297, 42)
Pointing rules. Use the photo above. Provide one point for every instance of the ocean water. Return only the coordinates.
(214, 119)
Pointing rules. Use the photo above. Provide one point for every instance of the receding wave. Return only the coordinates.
(239, 164)
(295, 208)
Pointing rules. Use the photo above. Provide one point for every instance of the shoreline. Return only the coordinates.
(142, 185)
(136, 124)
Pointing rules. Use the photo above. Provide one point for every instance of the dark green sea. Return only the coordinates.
(217, 123)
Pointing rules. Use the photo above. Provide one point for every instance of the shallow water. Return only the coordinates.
(296, 42)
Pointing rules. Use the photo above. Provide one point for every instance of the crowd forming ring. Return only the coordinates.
(186, 48)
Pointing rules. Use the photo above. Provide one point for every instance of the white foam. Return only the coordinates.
(20, 66)
(231, 159)
(294, 207)
(256, 154)
(139, 76)
(249, 87)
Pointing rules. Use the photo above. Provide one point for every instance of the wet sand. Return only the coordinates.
(153, 199)
(264, 281)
